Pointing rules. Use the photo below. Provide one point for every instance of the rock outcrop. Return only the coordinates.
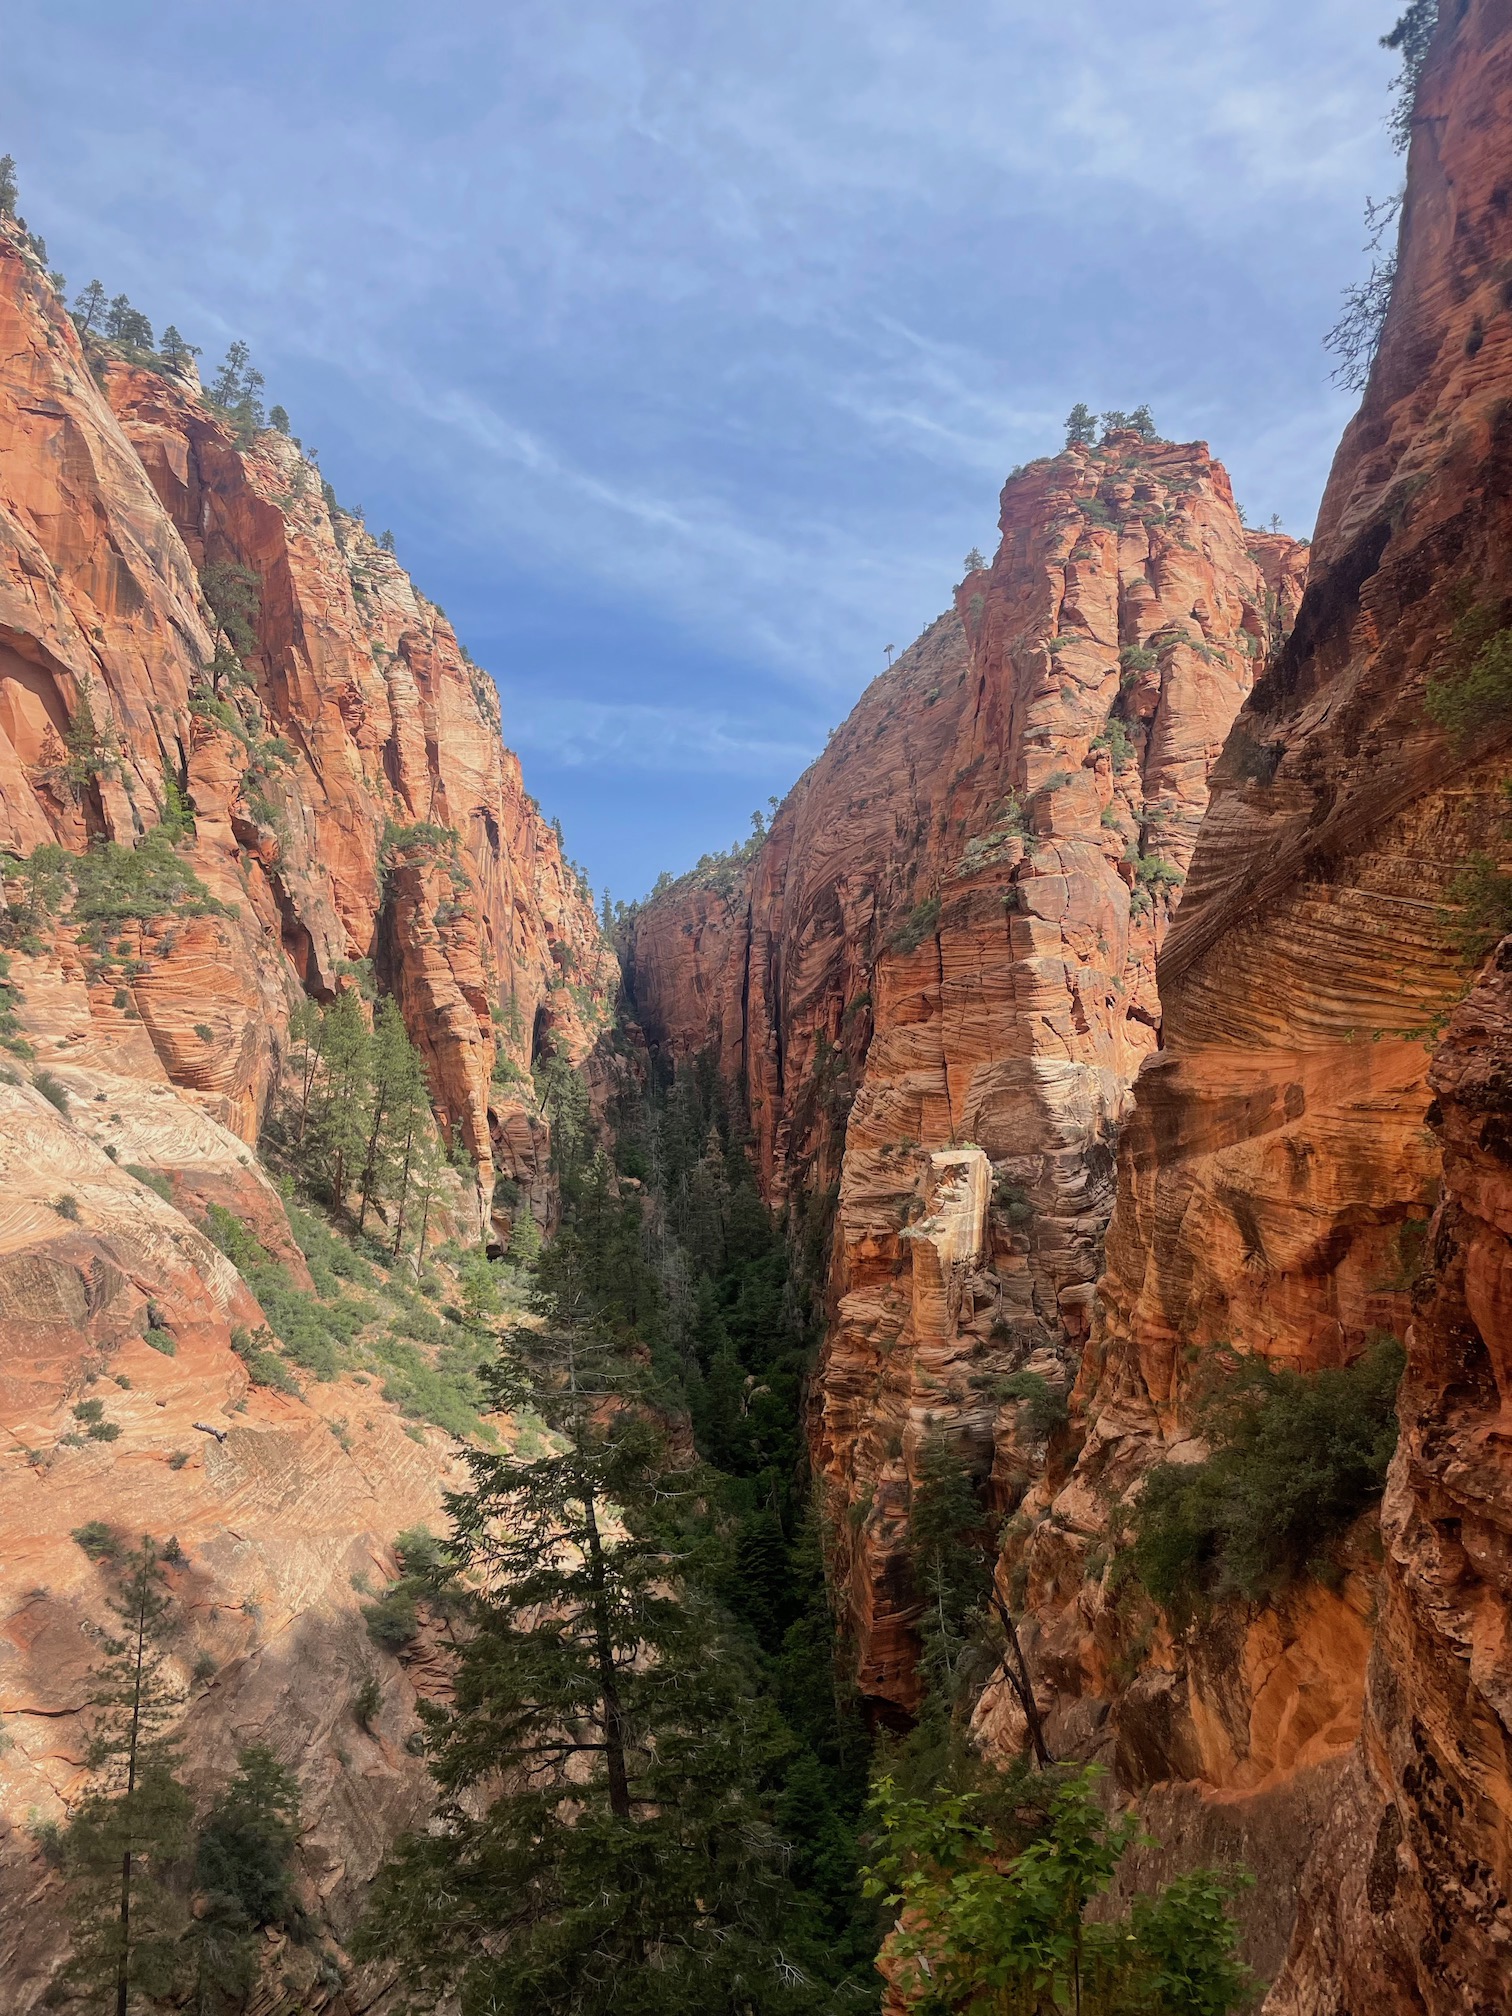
(948, 942)
(1314, 1157)
(208, 667)
(181, 605)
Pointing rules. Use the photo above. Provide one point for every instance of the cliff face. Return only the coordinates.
(946, 947)
(1315, 1156)
(350, 802)
(351, 794)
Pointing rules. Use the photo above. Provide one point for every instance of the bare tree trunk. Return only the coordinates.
(123, 1963)
(614, 1728)
(1016, 1673)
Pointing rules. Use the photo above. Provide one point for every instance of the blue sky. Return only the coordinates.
(685, 347)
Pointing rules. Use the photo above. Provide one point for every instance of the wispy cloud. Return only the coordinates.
(728, 321)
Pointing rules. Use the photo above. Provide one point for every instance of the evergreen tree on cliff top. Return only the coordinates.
(603, 1849)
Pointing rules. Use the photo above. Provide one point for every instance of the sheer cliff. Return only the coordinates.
(935, 981)
(280, 777)
(972, 1019)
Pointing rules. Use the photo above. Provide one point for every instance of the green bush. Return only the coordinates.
(1475, 692)
(264, 1366)
(367, 1701)
(918, 925)
(99, 1541)
(1296, 1457)
(154, 1179)
(1045, 1409)
(161, 1340)
(1482, 914)
(52, 1091)
(393, 1621)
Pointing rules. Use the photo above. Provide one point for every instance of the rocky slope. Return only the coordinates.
(935, 981)
(351, 794)
(190, 626)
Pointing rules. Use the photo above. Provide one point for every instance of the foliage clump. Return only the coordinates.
(918, 925)
(1474, 693)
(989, 1919)
(1295, 1459)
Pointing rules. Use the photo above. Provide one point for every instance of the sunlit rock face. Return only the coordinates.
(1314, 1157)
(361, 715)
(355, 804)
(947, 944)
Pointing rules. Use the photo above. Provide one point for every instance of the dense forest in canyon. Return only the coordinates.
(914, 1422)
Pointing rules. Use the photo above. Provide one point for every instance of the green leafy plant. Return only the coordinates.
(98, 1540)
(1296, 1458)
(1045, 1408)
(986, 1924)
(918, 925)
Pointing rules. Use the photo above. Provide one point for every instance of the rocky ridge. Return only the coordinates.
(1314, 1152)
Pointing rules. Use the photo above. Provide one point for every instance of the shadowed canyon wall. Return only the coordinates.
(352, 808)
(936, 982)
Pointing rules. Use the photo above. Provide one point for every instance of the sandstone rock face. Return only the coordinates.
(351, 795)
(1279, 1175)
(351, 802)
(948, 943)
(276, 1502)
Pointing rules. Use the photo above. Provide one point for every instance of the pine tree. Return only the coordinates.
(278, 419)
(130, 1834)
(397, 1097)
(127, 325)
(336, 1126)
(1081, 426)
(950, 1564)
(243, 1867)
(237, 390)
(174, 351)
(8, 190)
(524, 1238)
(603, 1850)
(90, 304)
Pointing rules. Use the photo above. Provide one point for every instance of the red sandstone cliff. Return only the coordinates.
(936, 980)
(355, 713)
(351, 802)
(1287, 1155)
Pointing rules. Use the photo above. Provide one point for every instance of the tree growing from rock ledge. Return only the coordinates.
(1000, 1926)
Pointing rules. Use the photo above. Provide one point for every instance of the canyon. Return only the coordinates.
(1123, 984)
(1100, 984)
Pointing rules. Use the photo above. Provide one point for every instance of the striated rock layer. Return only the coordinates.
(1314, 1157)
(948, 942)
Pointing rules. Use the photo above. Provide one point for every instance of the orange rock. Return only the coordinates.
(356, 718)
(1279, 1169)
(949, 938)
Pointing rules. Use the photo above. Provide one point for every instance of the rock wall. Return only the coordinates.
(355, 715)
(352, 807)
(1314, 1156)
(948, 942)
